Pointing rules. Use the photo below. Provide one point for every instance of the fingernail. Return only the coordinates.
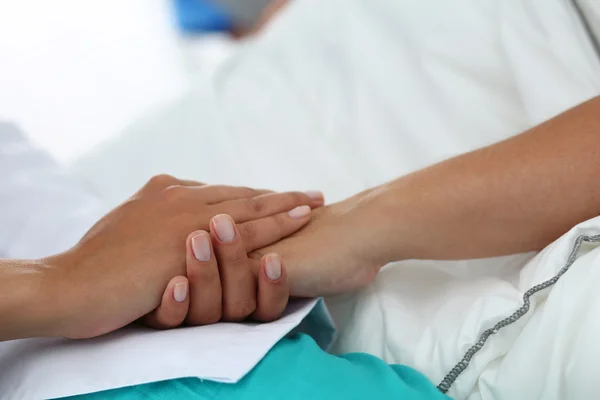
(273, 267)
(299, 212)
(180, 292)
(201, 247)
(224, 228)
(315, 194)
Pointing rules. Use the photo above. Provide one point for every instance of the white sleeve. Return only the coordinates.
(43, 210)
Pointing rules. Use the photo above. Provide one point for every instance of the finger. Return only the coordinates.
(173, 308)
(265, 231)
(214, 194)
(158, 183)
(205, 282)
(273, 289)
(247, 209)
(237, 280)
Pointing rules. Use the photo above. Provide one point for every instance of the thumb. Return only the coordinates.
(173, 307)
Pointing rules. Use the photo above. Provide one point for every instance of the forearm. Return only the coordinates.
(26, 307)
(517, 195)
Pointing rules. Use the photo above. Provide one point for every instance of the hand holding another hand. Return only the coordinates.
(120, 269)
(219, 284)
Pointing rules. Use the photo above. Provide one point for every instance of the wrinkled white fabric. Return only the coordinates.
(43, 209)
(431, 313)
(346, 94)
(342, 95)
(590, 11)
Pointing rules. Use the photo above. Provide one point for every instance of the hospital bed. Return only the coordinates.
(343, 95)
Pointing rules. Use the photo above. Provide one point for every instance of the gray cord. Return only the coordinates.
(451, 377)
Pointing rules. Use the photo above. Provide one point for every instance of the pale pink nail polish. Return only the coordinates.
(273, 267)
(299, 212)
(201, 247)
(224, 228)
(180, 292)
(315, 194)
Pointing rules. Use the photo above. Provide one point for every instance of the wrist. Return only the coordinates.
(61, 304)
(388, 210)
(26, 304)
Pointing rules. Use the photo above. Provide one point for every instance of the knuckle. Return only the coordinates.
(280, 224)
(272, 309)
(212, 188)
(240, 310)
(249, 192)
(161, 180)
(248, 231)
(170, 320)
(208, 317)
(296, 198)
(174, 192)
(299, 197)
(236, 256)
(217, 191)
(212, 318)
(204, 275)
(265, 316)
(255, 205)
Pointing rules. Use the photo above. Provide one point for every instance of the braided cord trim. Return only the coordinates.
(454, 373)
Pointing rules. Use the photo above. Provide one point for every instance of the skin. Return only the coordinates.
(515, 196)
(205, 303)
(128, 265)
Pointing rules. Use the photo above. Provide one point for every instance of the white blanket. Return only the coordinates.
(342, 95)
(431, 313)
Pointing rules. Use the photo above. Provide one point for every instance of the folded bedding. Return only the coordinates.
(506, 328)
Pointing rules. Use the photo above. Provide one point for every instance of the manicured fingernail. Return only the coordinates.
(273, 267)
(180, 292)
(299, 212)
(315, 194)
(224, 228)
(201, 247)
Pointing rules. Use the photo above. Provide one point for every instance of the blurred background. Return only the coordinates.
(73, 72)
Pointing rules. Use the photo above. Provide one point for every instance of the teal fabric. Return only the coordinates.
(295, 369)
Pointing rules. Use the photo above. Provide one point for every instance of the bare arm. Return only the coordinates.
(27, 309)
(514, 196)
(137, 260)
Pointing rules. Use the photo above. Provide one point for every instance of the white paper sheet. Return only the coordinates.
(53, 367)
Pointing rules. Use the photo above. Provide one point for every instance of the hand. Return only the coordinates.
(217, 274)
(120, 269)
(338, 251)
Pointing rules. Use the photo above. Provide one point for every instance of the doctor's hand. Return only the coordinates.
(119, 271)
(217, 287)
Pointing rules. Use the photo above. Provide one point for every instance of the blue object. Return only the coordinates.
(295, 369)
(197, 16)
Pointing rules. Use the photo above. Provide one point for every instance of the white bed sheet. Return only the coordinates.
(343, 95)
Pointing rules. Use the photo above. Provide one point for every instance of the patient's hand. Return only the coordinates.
(120, 269)
(217, 271)
(337, 251)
